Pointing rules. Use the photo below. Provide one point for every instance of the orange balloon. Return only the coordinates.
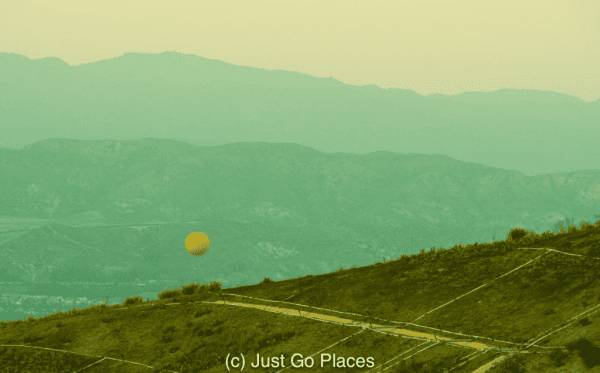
(197, 243)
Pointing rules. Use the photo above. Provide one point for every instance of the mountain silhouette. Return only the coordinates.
(208, 102)
(266, 207)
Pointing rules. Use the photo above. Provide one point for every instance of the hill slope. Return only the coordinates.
(275, 210)
(533, 298)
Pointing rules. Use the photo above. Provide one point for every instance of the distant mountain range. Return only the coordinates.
(208, 102)
(287, 174)
(290, 185)
(279, 210)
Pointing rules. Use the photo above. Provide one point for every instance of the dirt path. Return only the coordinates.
(376, 327)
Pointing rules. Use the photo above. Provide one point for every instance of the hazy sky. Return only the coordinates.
(429, 46)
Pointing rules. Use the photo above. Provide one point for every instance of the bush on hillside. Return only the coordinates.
(98, 307)
(516, 233)
(168, 293)
(404, 259)
(529, 238)
(546, 235)
(133, 300)
(267, 280)
(584, 322)
(201, 311)
(191, 288)
(513, 364)
(215, 285)
(593, 251)
(586, 350)
(557, 356)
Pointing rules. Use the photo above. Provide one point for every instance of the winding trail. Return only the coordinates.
(375, 327)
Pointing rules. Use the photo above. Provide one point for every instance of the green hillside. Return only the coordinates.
(528, 303)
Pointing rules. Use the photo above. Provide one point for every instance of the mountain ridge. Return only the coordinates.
(119, 98)
(287, 174)
(265, 206)
(180, 58)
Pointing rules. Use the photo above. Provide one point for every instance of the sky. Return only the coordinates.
(428, 46)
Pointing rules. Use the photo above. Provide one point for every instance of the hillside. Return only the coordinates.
(285, 184)
(107, 212)
(528, 303)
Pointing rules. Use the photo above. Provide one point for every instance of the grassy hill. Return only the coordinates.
(528, 303)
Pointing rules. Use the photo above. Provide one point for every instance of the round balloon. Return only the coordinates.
(197, 243)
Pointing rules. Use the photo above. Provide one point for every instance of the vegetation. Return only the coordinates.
(506, 294)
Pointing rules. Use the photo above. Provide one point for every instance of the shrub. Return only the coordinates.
(557, 356)
(133, 300)
(593, 251)
(168, 293)
(267, 280)
(546, 235)
(586, 350)
(98, 307)
(529, 238)
(516, 233)
(513, 364)
(404, 259)
(170, 328)
(585, 225)
(107, 319)
(215, 285)
(548, 311)
(572, 229)
(201, 311)
(584, 322)
(31, 338)
(579, 344)
(190, 288)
